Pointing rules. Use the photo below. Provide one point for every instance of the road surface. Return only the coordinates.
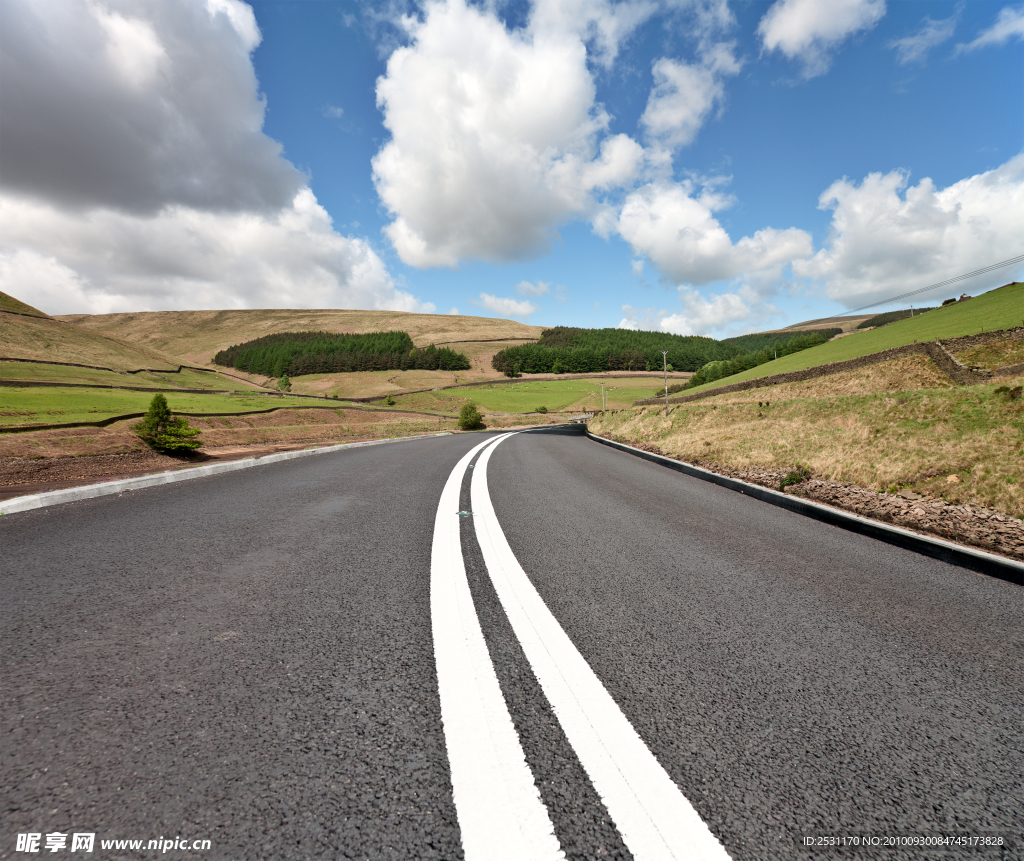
(537, 647)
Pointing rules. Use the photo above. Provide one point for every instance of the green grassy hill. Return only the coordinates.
(16, 306)
(1002, 308)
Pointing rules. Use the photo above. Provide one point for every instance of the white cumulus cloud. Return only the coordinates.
(506, 307)
(684, 95)
(1008, 25)
(495, 135)
(602, 24)
(702, 316)
(719, 315)
(136, 175)
(889, 237)
(812, 30)
(677, 231)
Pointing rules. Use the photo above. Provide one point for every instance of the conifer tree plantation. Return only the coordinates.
(297, 353)
(565, 350)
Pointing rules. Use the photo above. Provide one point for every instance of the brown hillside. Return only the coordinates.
(847, 324)
(47, 339)
(196, 336)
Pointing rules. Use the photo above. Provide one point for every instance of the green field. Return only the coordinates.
(23, 406)
(185, 379)
(524, 397)
(998, 309)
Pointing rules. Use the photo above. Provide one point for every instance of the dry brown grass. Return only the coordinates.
(913, 438)
(996, 354)
(197, 336)
(368, 384)
(49, 340)
(913, 372)
(847, 324)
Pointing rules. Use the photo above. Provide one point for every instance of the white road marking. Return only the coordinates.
(654, 818)
(500, 811)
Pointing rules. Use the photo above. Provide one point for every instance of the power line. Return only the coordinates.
(983, 270)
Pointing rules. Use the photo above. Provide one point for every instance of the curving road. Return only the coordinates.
(632, 663)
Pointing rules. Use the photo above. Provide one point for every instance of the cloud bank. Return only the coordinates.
(888, 236)
(137, 176)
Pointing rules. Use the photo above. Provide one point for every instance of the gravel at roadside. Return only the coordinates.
(973, 526)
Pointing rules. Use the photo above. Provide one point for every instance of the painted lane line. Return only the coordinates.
(500, 811)
(654, 818)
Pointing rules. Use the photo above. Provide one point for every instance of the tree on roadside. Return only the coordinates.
(162, 432)
(469, 417)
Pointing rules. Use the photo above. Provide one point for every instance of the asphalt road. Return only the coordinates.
(249, 659)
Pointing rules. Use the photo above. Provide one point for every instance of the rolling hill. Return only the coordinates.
(16, 306)
(1002, 308)
(196, 336)
(46, 339)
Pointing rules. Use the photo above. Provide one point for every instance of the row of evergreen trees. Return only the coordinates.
(744, 362)
(297, 353)
(566, 350)
(893, 316)
(759, 341)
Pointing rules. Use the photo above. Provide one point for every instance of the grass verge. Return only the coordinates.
(887, 440)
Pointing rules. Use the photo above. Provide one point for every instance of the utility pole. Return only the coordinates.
(664, 358)
(603, 407)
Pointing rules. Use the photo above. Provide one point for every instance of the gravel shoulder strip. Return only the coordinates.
(958, 523)
(90, 491)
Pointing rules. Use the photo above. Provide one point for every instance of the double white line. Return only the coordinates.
(500, 811)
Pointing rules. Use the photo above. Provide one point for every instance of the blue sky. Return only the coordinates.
(695, 166)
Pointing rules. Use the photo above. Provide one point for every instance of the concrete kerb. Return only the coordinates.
(966, 557)
(90, 491)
